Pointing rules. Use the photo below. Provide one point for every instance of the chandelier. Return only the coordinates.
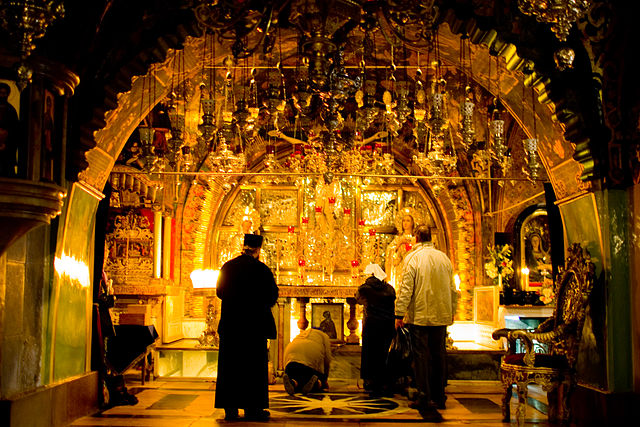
(26, 21)
(531, 144)
(561, 15)
(339, 97)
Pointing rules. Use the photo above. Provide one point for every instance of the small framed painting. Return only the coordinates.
(485, 305)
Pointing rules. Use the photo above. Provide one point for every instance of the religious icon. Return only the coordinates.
(535, 246)
(407, 220)
(48, 141)
(329, 319)
(537, 258)
(9, 128)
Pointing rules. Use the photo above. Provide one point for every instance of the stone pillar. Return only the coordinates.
(157, 242)
(352, 324)
(33, 161)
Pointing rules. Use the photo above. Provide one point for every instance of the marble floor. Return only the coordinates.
(176, 403)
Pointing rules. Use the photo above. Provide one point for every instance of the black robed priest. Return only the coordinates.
(248, 290)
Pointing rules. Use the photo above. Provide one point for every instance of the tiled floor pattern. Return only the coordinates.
(184, 403)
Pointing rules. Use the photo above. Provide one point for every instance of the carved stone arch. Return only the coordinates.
(112, 73)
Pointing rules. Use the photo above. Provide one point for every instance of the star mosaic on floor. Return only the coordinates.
(338, 405)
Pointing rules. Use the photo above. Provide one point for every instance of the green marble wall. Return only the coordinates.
(615, 217)
(599, 221)
(70, 296)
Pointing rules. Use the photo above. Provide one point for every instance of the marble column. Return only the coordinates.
(303, 323)
(282, 303)
(352, 323)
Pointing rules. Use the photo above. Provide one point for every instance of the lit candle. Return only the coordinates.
(291, 229)
(347, 211)
(332, 200)
(525, 278)
(305, 220)
(361, 222)
(372, 232)
(318, 208)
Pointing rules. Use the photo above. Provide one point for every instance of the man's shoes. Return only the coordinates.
(257, 415)
(430, 414)
(310, 384)
(230, 414)
(289, 384)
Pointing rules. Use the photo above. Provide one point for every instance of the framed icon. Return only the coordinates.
(329, 318)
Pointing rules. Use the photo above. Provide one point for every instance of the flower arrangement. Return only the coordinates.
(547, 294)
(500, 263)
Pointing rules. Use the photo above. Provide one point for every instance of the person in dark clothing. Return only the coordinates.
(377, 297)
(248, 290)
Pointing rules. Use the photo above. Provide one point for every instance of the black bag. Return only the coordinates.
(399, 356)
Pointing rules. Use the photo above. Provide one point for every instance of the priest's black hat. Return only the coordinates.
(253, 240)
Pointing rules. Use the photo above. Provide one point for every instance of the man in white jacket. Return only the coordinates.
(426, 303)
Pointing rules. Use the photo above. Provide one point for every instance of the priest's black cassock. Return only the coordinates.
(248, 290)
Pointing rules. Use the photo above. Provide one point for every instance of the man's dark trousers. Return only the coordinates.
(429, 362)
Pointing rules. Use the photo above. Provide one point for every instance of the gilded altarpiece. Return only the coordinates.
(316, 233)
(318, 237)
(129, 243)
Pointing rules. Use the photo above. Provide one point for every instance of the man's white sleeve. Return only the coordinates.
(405, 288)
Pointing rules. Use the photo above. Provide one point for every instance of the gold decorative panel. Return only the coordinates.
(279, 250)
(279, 207)
(379, 208)
(229, 245)
(129, 243)
(246, 198)
(415, 200)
